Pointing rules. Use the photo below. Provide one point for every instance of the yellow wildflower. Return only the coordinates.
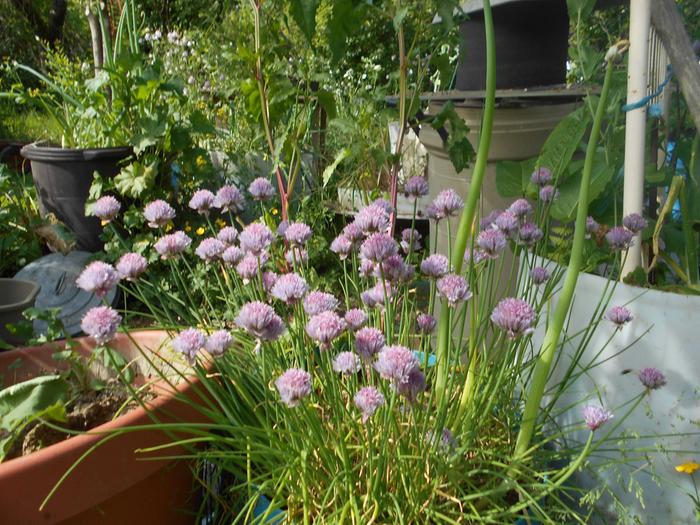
(688, 467)
(220, 223)
(169, 226)
(200, 161)
(199, 231)
(188, 228)
(104, 222)
(275, 211)
(221, 112)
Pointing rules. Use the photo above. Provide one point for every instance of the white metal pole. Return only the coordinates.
(635, 122)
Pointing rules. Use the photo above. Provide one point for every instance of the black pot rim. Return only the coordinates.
(31, 290)
(37, 151)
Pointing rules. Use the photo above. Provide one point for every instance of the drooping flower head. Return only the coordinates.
(508, 223)
(228, 235)
(341, 246)
(414, 385)
(282, 228)
(290, 288)
(379, 247)
(619, 238)
(410, 240)
(261, 189)
(131, 265)
(652, 378)
(229, 198)
(541, 176)
(255, 238)
(232, 255)
(435, 265)
(324, 328)
(366, 268)
(426, 323)
(260, 320)
(488, 222)
(454, 288)
(354, 233)
(101, 323)
(548, 193)
(293, 386)
(250, 266)
(98, 277)
(596, 416)
(539, 275)
(520, 208)
(492, 241)
(368, 342)
(368, 400)
(210, 249)
(447, 204)
(188, 342)
(416, 187)
(634, 222)
(106, 208)
(218, 342)
(530, 234)
(172, 245)
(355, 318)
(269, 279)
(619, 315)
(298, 233)
(346, 363)
(158, 213)
(515, 316)
(371, 219)
(377, 295)
(316, 302)
(592, 226)
(202, 201)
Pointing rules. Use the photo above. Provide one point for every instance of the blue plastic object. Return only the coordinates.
(421, 357)
(276, 516)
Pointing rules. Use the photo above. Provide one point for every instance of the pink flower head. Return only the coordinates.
(372, 219)
(210, 249)
(366, 268)
(346, 363)
(478, 256)
(488, 222)
(218, 342)
(414, 385)
(548, 193)
(250, 266)
(290, 288)
(260, 321)
(541, 176)
(515, 316)
(232, 255)
(520, 208)
(131, 265)
(298, 233)
(426, 323)
(508, 223)
(106, 208)
(447, 204)
(619, 238)
(401, 366)
(375, 296)
(341, 246)
(355, 318)
(410, 240)
(416, 187)
(368, 400)
(652, 378)
(98, 277)
(101, 324)
(435, 265)
(228, 235)
(324, 328)
(282, 228)
(394, 269)
(229, 198)
(261, 189)
(591, 226)
(202, 201)
(596, 416)
(529, 234)
(172, 245)
(454, 288)
(316, 302)
(353, 232)
(368, 342)
(539, 275)
(383, 204)
(619, 315)
(158, 213)
(296, 256)
(269, 279)
(491, 241)
(293, 386)
(634, 222)
(188, 342)
(255, 238)
(379, 247)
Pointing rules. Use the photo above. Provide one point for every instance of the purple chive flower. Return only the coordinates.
(368, 342)
(487, 223)
(188, 342)
(289, 288)
(431, 212)
(375, 296)
(634, 222)
(232, 255)
(652, 378)
(218, 342)
(445, 440)
(478, 256)
(229, 198)
(426, 323)
(383, 204)
(435, 265)
(316, 302)
(298, 233)
(619, 238)
(591, 226)
(447, 204)
(293, 386)
(530, 234)
(250, 266)
(508, 223)
(416, 187)
(131, 265)
(401, 366)
(548, 193)
(371, 219)
(202, 201)
(210, 249)
(255, 238)
(260, 321)
(414, 385)
(454, 288)
(539, 275)
(106, 208)
(596, 416)
(261, 189)
(491, 241)
(515, 316)
(346, 363)
(98, 277)
(379, 247)
(355, 318)
(158, 213)
(619, 315)
(410, 240)
(520, 208)
(341, 246)
(101, 324)
(172, 245)
(282, 228)
(324, 328)
(394, 269)
(269, 279)
(353, 233)
(296, 256)
(366, 268)
(541, 176)
(228, 235)
(368, 400)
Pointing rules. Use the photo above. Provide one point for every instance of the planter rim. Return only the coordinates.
(33, 289)
(38, 151)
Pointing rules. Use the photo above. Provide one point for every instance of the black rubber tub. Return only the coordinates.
(63, 178)
(16, 296)
(532, 38)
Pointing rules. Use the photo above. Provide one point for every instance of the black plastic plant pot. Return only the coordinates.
(532, 38)
(16, 295)
(63, 178)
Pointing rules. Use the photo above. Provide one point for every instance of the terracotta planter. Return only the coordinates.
(113, 485)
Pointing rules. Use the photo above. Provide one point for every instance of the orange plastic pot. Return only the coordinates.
(114, 484)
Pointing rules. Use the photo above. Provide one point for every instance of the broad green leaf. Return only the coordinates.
(200, 123)
(458, 147)
(136, 178)
(328, 172)
(512, 177)
(327, 101)
(563, 141)
(399, 17)
(447, 10)
(584, 7)
(304, 14)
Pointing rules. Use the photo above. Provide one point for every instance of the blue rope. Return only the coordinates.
(644, 101)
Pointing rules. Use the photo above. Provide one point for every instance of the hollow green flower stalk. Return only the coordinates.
(551, 339)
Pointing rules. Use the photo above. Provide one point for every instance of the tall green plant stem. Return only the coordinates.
(465, 223)
(551, 338)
